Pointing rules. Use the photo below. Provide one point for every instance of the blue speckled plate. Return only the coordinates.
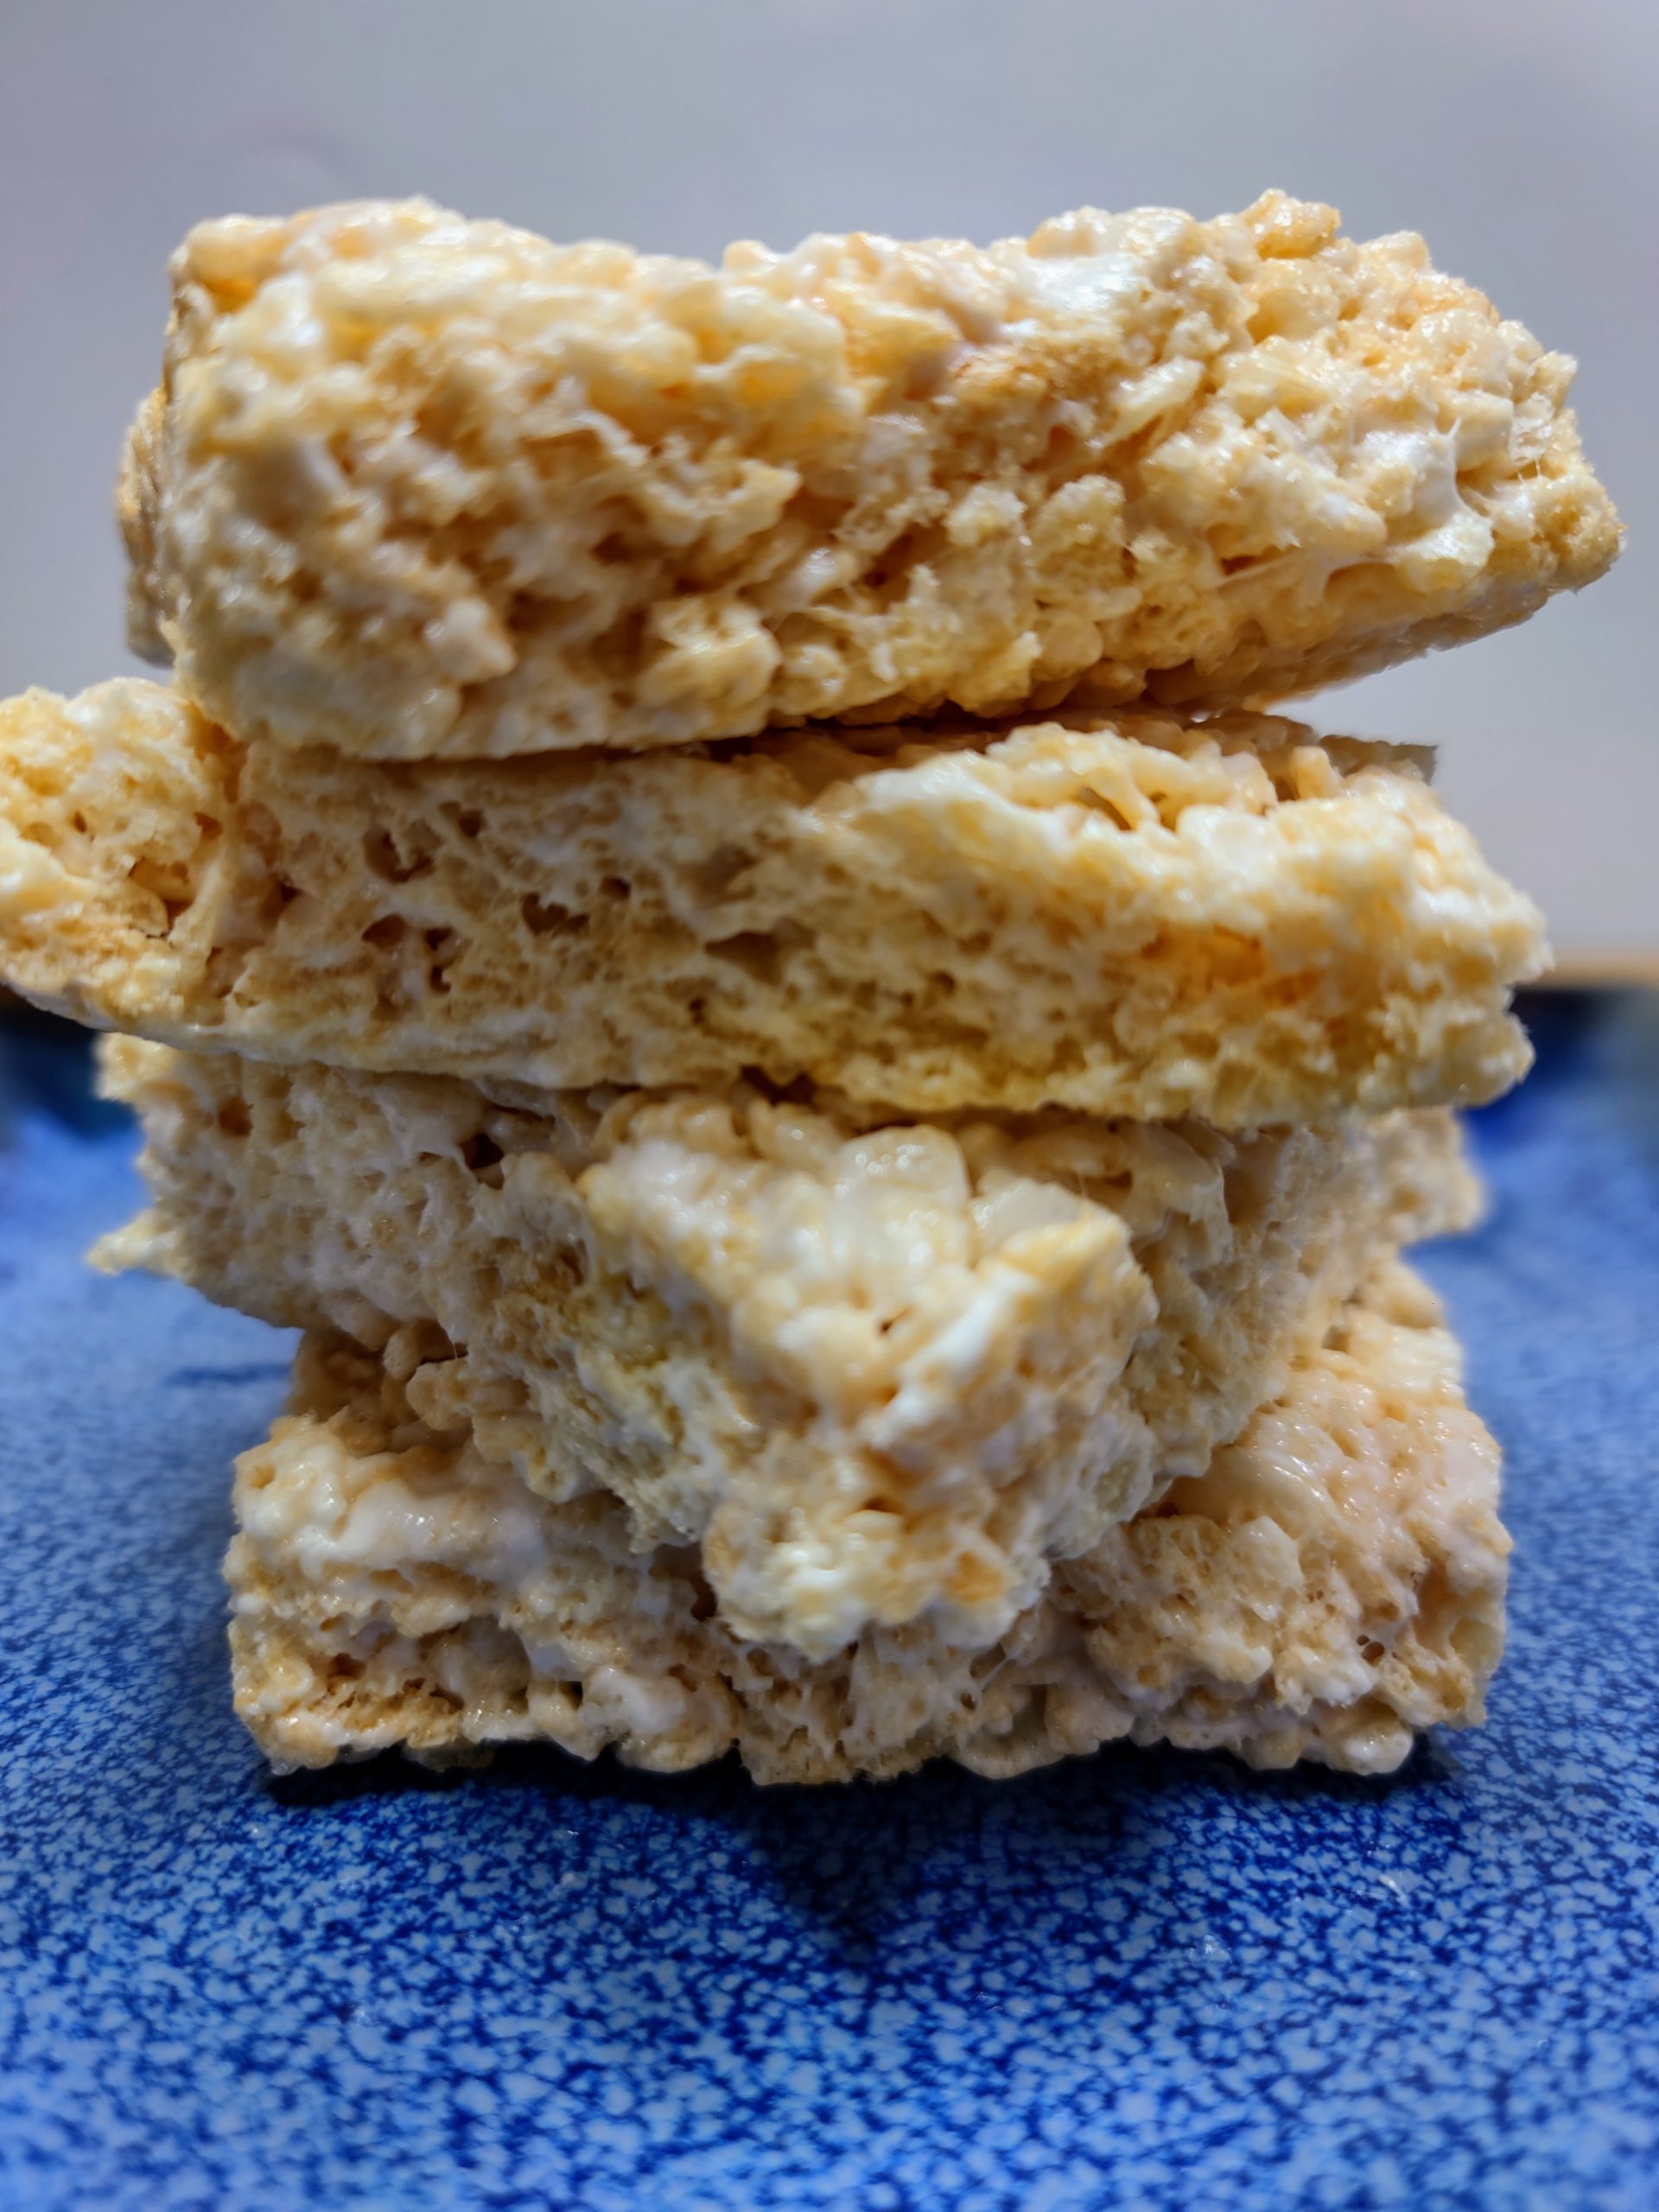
(1142, 1979)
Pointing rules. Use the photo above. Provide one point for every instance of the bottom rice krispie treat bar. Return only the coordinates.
(1332, 1584)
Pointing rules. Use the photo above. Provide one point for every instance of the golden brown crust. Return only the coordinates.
(415, 485)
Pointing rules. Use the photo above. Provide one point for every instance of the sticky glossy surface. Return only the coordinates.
(1146, 1979)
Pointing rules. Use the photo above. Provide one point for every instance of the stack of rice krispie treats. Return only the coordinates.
(711, 910)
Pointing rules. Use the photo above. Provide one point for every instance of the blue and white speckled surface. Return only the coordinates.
(1145, 1979)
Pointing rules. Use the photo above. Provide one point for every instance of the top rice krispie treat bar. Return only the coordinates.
(414, 485)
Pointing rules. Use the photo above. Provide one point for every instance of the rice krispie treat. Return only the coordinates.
(1121, 915)
(416, 485)
(1333, 1583)
(878, 1372)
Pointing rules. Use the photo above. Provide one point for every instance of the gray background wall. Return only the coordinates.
(1519, 135)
